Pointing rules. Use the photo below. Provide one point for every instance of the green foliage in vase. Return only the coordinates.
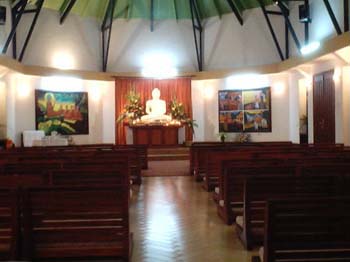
(133, 109)
(178, 113)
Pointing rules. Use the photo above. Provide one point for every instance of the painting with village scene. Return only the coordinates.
(63, 112)
(231, 121)
(245, 110)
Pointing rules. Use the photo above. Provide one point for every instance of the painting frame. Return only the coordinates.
(253, 106)
(67, 113)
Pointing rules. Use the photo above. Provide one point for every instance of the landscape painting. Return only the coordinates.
(245, 110)
(256, 99)
(230, 100)
(257, 121)
(231, 121)
(64, 112)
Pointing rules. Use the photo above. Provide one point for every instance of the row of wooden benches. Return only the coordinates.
(306, 229)
(206, 159)
(64, 223)
(45, 161)
(259, 189)
(140, 150)
(66, 203)
(246, 177)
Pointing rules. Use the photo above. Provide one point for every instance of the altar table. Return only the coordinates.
(155, 135)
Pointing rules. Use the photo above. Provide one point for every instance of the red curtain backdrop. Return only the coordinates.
(169, 88)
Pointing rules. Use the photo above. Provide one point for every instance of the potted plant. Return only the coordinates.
(222, 136)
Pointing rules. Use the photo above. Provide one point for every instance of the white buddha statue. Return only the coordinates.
(155, 109)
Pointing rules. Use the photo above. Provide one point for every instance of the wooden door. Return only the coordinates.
(324, 108)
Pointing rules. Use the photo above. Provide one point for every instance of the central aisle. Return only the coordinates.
(174, 219)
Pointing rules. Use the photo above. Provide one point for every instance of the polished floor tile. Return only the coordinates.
(174, 219)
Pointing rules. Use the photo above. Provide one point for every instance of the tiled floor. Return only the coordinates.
(174, 219)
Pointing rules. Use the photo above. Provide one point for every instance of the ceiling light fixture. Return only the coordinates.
(310, 48)
(159, 65)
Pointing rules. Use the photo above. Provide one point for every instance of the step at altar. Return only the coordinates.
(169, 153)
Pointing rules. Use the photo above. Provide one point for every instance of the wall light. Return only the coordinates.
(62, 84)
(208, 92)
(279, 89)
(23, 90)
(95, 93)
(159, 73)
(96, 90)
(158, 65)
(310, 48)
(247, 81)
(308, 83)
(63, 60)
(23, 86)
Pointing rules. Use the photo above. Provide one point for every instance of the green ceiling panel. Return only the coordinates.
(163, 9)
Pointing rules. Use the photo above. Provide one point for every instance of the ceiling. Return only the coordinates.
(162, 9)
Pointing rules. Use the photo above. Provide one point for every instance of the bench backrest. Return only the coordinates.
(82, 222)
(9, 221)
(318, 228)
(258, 189)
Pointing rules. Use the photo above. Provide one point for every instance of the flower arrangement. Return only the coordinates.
(243, 137)
(177, 111)
(133, 109)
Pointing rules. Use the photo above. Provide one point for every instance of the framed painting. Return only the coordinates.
(231, 121)
(67, 113)
(230, 100)
(245, 110)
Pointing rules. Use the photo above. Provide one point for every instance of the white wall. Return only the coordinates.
(77, 37)
(3, 115)
(321, 27)
(346, 105)
(198, 108)
(227, 44)
(294, 107)
(280, 104)
(21, 105)
(230, 45)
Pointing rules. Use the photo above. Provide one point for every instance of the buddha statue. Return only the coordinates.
(155, 109)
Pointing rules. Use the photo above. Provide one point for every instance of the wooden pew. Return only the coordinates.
(39, 167)
(142, 153)
(318, 228)
(231, 203)
(140, 150)
(37, 163)
(89, 175)
(105, 177)
(76, 223)
(284, 153)
(305, 164)
(259, 189)
(9, 224)
(199, 151)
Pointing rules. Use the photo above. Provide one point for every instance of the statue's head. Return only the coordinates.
(155, 93)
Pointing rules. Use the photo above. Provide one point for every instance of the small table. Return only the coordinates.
(155, 135)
